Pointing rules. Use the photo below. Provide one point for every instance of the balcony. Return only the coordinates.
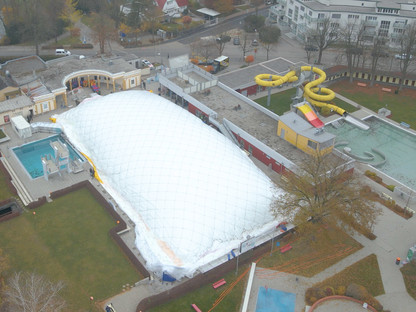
(395, 35)
(282, 2)
(369, 32)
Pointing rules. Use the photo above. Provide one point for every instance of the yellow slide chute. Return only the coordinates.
(314, 95)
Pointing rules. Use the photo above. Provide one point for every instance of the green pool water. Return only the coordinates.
(398, 146)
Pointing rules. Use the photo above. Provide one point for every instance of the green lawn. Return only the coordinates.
(306, 258)
(4, 188)
(2, 134)
(364, 272)
(409, 276)
(68, 240)
(402, 105)
(280, 102)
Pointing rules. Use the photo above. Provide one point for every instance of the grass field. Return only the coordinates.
(280, 102)
(4, 188)
(409, 276)
(364, 272)
(308, 256)
(402, 105)
(68, 240)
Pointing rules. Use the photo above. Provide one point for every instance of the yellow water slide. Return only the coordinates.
(314, 95)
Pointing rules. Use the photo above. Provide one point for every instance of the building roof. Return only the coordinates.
(3, 83)
(192, 194)
(24, 65)
(182, 3)
(304, 128)
(208, 12)
(56, 70)
(15, 103)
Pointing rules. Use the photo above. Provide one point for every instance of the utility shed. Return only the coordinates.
(21, 126)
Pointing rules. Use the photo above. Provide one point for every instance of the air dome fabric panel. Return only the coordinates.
(192, 194)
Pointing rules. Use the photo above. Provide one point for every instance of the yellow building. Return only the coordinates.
(298, 132)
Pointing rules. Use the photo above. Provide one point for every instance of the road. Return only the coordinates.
(287, 48)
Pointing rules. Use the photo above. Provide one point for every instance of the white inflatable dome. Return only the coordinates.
(192, 194)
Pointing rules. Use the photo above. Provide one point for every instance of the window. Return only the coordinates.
(302, 8)
(290, 12)
(312, 144)
(353, 16)
(310, 13)
(321, 15)
(132, 81)
(336, 15)
(371, 18)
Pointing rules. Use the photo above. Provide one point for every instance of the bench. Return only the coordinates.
(360, 84)
(403, 124)
(386, 89)
(285, 248)
(219, 283)
(193, 305)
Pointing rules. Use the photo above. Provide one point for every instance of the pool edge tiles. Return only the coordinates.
(273, 300)
(31, 159)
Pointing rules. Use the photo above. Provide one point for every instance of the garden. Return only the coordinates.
(67, 240)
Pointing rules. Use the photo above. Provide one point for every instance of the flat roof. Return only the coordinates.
(56, 70)
(209, 12)
(301, 126)
(244, 77)
(15, 103)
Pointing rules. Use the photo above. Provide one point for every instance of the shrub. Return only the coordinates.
(325, 111)
(329, 291)
(340, 290)
(313, 294)
(369, 173)
(391, 187)
(82, 46)
(249, 59)
(75, 32)
(194, 61)
(360, 293)
(378, 179)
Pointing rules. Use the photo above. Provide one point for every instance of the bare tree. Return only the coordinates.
(407, 50)
(378, 49)
(324, 191)
(221, 41)
(325, 34)
(204, 49)
(352, 35)
(245, 44)
(33, 293)
(104, 30)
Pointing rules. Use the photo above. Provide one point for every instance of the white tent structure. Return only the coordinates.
(192, 194)
(21, 126)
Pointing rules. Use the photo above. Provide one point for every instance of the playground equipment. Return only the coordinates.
(315, 95)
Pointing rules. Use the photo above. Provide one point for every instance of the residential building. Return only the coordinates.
(172, 8)
(387, 18)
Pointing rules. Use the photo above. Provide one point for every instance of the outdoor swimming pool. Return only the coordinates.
(382, 140)
(272, 300)
(30, 154)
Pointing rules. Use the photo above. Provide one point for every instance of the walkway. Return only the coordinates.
(394, 237)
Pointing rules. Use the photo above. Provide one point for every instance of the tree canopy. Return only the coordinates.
(269, 36)
(324, 191)
(253, 23)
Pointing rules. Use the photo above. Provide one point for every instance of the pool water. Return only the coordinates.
(397, 145)
(30, 154)
(272, 300)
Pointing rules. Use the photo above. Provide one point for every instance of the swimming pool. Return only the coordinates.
(272, 300)
(30, 154)
(382, 140)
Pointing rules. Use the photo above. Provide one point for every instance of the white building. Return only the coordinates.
(383, 17)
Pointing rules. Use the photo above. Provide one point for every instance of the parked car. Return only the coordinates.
(62, 52)
(236, 41)
(147, 63)
(380, 54)
(402, 56)
(254, 43)
(311, 48)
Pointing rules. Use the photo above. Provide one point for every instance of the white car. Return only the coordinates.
(147, 63)
(402, 56)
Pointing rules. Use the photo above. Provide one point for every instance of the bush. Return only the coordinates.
(325, 111)
(249, 59)
(75, 32)
(360, 293)
(369, 173)
(340, 290)
(391, 187)
(329, 291)
(82, 46)
(313, 294)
